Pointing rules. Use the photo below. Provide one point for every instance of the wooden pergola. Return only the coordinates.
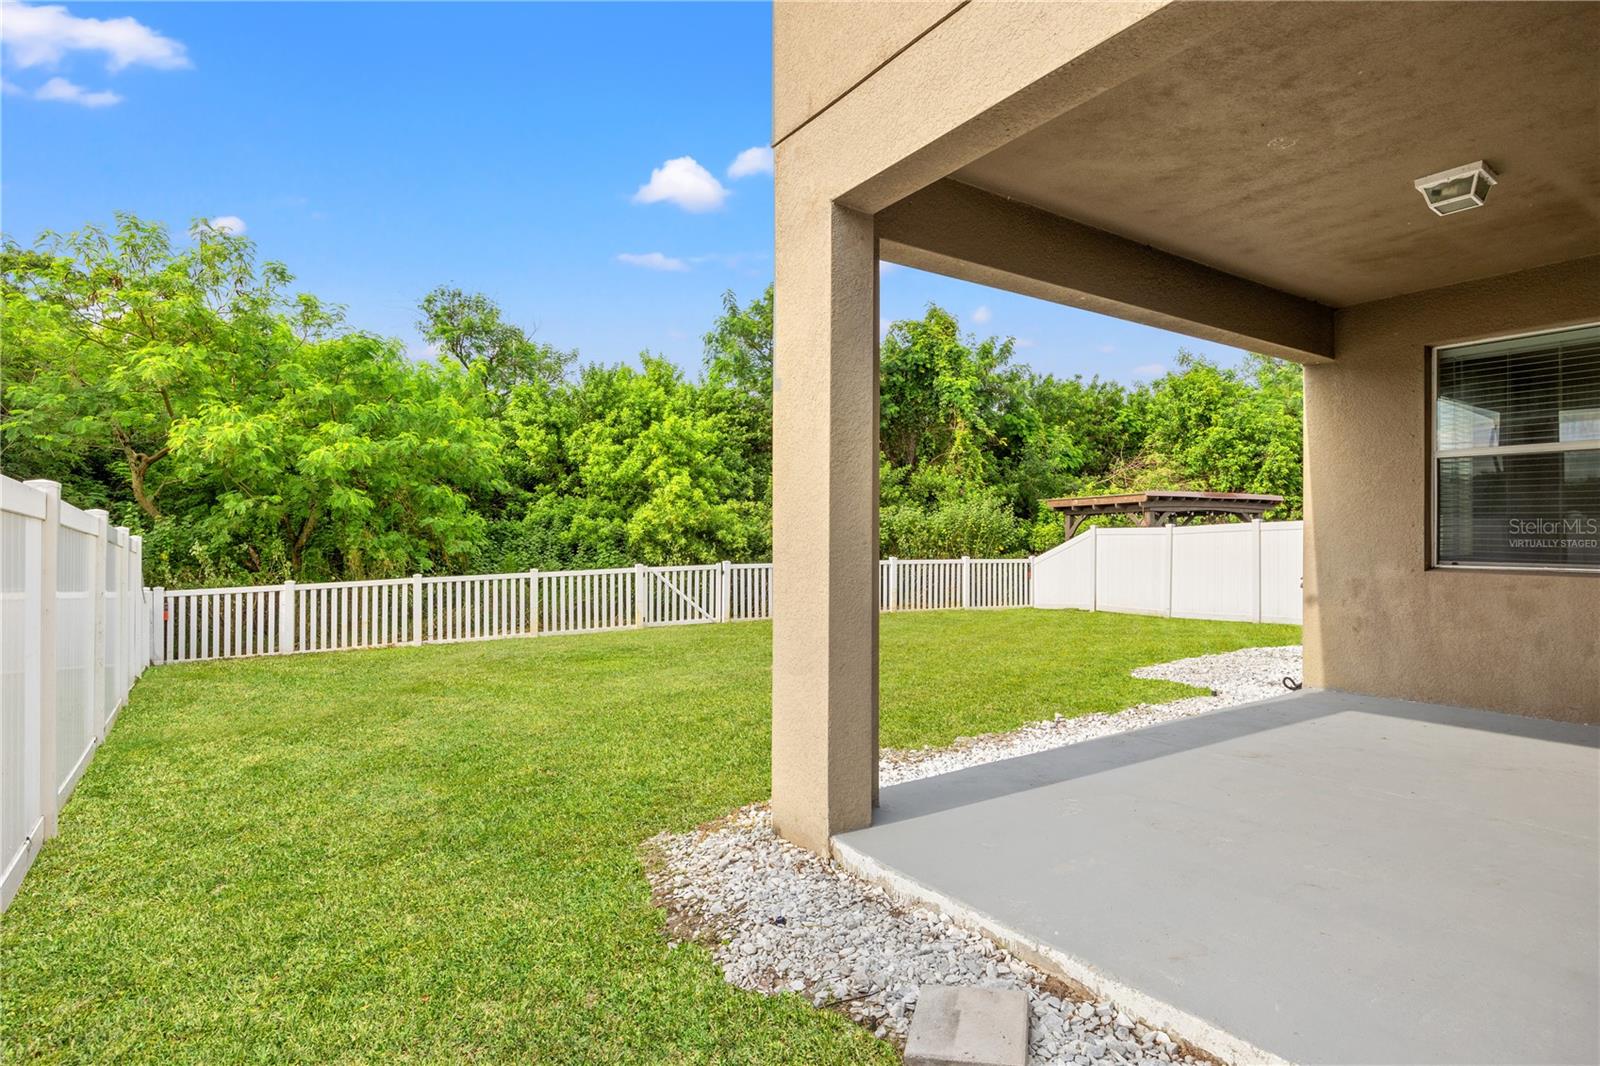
(1156, 508)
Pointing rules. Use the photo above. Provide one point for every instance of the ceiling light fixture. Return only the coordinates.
(1457, 189)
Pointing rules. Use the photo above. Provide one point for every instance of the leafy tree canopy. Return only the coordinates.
(467, 327)
(252, 435)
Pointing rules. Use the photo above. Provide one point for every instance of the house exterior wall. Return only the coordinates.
(1379, 620)
(966, 85)
(821, 51)
(877, 110)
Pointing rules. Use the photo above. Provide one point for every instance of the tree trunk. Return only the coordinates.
(299, 546)
(138, 467)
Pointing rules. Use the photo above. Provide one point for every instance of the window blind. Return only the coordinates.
(1517, 451)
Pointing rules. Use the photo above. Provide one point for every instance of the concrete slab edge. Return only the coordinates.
(1155, 1012)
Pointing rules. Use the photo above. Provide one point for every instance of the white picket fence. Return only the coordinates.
(74, 635)
(1243, 572)
(229, 623)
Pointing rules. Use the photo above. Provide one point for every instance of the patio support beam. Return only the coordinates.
(956, 229)
(825, 519)
(1056, 57)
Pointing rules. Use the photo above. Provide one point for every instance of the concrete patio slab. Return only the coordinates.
(1323, 878)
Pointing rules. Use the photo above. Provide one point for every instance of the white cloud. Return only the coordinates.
(232, 225)
(750, 162)
(652, 261)
(1105, 349)
(730, 260)
(42, 35)
(66, 92)
(684, 182)
(1150, 370)
(1027, 342)
(982, 314)
(11, 88)
(886, 267)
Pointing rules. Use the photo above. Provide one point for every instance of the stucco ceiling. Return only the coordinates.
(1284, 149)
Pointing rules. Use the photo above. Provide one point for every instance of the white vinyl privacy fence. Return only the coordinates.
(230, 623)
(74, 634)
(1243, 572)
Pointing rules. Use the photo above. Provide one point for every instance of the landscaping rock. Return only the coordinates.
(1233, 677)
(843, 943)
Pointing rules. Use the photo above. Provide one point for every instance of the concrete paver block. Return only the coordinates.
(967, 1026)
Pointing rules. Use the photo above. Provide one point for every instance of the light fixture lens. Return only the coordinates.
(1457, 189)
(1450, 190)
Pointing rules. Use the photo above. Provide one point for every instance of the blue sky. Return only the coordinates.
(536, 152)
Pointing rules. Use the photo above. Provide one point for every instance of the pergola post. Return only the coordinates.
(825, 519)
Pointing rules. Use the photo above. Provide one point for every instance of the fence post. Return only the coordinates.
(641, 596)
(49, 557)
(97, 596)
(1255, 572)
(966, 581)
(134, 582)
(1168, 590)
(416, 608)
(136, 615)
(158, 624)
(125, 639)
(286, 618)
(1033, 572)
(533, 601)
(894, 583)
(1094, 568)
(724, 591)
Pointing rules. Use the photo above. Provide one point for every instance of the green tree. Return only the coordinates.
(738, 382)
(1218, 429)
(251, 434)
(940, 393)
(468, 327)
(256, 437)
(357, 463)
(114, 337)
(634, 468)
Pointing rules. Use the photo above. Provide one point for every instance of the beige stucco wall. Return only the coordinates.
(876, 103)
(969, 84)
(821, 50)
(824, 518)
(1378, 620)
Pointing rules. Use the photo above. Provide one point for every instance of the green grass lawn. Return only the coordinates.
(430, 854)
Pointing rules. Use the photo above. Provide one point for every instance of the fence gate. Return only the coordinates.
(682, 595)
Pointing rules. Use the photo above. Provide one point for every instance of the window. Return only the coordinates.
(1516, 452)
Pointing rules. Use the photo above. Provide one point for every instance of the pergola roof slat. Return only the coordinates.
(1166, 504)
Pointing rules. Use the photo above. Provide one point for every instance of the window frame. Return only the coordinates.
(1435, 454)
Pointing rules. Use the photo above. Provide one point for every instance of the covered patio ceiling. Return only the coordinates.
(1319, 878)
(1293, 167)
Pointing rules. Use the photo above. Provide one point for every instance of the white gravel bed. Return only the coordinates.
(781, 920)
(1234, 677)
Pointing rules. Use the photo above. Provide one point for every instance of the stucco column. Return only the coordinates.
(825, 519)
